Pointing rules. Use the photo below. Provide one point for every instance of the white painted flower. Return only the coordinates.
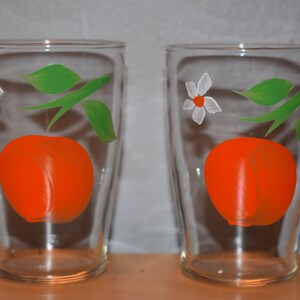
(199, 102)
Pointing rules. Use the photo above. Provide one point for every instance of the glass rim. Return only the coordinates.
(60, 43)
(231, 47)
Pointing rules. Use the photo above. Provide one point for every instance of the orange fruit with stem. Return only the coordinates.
(250, 181)
(46, 179)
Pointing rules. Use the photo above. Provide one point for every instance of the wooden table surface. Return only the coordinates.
(145, 277)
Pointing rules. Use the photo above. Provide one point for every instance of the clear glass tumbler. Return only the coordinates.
(61, 136)
(234, 135)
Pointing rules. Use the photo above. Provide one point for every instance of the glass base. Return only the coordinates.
(246, 269)
(53, 267)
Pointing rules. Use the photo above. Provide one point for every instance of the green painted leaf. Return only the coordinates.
(278, 115)
(59, 114)
(298, 128)
(100, 118)
(52, 79)
(76, 96)
(69, 100)
(268, 92)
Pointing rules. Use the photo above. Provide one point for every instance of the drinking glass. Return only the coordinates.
(233, 142)
(61, 137)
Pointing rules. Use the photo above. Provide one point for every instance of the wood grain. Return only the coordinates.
(145, 277)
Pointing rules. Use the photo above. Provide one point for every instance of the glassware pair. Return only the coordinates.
(233, 136)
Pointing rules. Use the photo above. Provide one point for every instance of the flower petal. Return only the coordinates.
(211, 105)
(204, 84)
(188, 104)
(198, 115)
(191, 89)
(1, 92)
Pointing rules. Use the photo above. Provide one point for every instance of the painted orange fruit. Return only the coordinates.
(250, 181)
(46, 179)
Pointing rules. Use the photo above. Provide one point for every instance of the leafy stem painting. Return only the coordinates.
(57, 78)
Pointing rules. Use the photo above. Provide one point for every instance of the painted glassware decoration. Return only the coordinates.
(54, 175)
(250, 181)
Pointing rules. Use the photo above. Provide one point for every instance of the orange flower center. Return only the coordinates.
(199, 101)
